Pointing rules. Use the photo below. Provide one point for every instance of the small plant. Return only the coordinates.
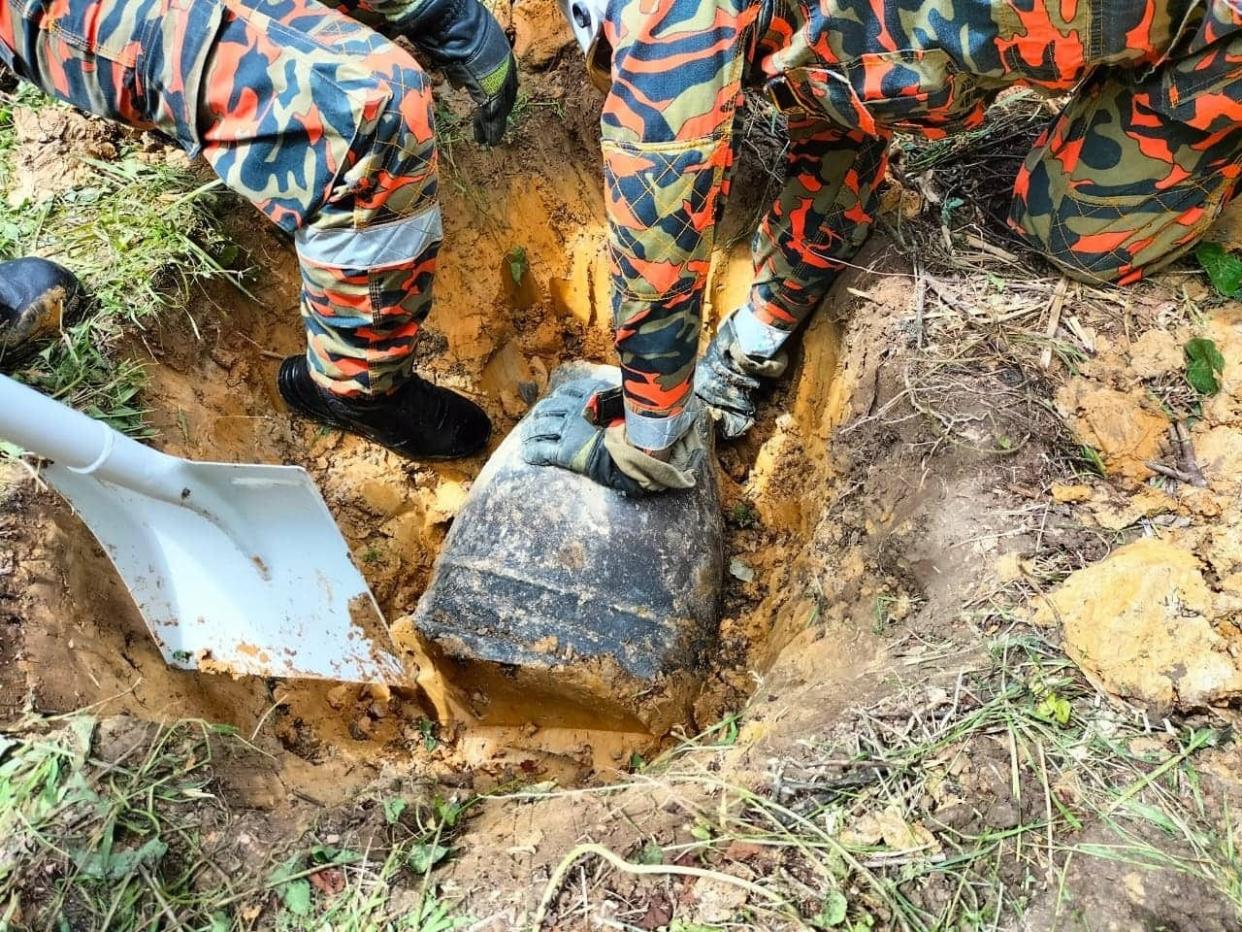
(393, 808)
(1093, 460)
(518, 264)
(725, 732)
(882, 617)
(427, 728)
(701, 830)
(650, 853)
(423, 857)
(744, 516)
(432, 915)
(1054, 708)
(448, 812)
(833, 913)
(1223, 268)
(1204, 365)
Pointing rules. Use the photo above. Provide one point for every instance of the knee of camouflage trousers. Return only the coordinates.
(345, 158)
(322, 123)
(368, 261)
(1134, 171)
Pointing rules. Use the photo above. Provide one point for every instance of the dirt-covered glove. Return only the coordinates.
(36, 297)
(463, 39)
(728, 381)
(579, 427)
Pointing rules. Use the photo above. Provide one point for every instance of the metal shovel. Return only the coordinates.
(236, 568)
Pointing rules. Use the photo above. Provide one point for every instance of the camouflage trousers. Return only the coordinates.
(322, 123)
(1131, 173)
(1136, 167)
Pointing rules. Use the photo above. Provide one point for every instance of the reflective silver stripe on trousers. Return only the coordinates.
(658, 433)
(372, 247)
(754, 337)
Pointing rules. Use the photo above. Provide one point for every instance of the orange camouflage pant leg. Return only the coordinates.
(821, 217)
(1136, 168)
(322, 123)
(327, 126)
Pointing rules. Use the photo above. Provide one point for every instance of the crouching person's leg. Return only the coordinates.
(1133, 172)
(327, 127)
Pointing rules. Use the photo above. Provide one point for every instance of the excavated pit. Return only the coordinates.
(522, 288)
(868, 614)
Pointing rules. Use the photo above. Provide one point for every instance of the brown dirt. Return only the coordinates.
(50, 146)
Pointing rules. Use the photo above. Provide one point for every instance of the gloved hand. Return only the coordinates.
(463, 38)
(728, 381)
(579, 427)
(36, 298)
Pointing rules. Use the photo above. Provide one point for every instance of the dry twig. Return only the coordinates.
(1054, 320)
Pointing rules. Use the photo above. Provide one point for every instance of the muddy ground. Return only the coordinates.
(891, 734)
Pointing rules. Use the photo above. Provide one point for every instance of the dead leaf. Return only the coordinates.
(864, 833)
(1149, 746)
(891, 828)
(901, 835)
(330, 881)
(659, 914)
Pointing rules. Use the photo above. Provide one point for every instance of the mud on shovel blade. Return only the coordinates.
(559, 602)
(235, 568)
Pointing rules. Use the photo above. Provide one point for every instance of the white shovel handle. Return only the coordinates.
(77, 442)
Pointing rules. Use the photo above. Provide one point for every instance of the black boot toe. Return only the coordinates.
(37, 298)
(419, 420)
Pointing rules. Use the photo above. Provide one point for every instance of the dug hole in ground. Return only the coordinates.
(978, 659)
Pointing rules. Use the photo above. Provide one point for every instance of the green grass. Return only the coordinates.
(1013, 114)
(131, 831)
(1069, 768)
(139, 235)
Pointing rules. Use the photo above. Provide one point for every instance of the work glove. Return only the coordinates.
(463, 39)
(580, 427)
(36, 298)
(728, 381)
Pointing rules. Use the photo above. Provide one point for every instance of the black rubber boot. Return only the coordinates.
(419, 420)
(36, 298)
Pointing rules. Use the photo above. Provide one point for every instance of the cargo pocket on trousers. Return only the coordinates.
(822, 93)
(1204, 90)
(76, 26)
(84, 50)
(914, 90)
(663, 201)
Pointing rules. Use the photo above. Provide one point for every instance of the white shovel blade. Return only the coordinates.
(250, 576)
